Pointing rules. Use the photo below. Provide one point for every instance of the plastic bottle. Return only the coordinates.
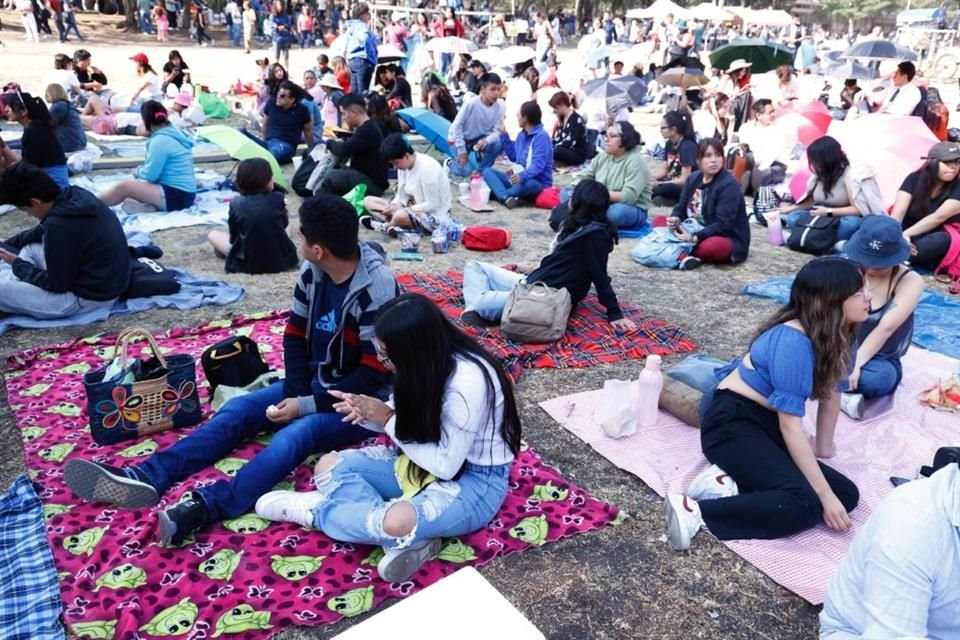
(476, 186)
(648, 392)
(774, 228)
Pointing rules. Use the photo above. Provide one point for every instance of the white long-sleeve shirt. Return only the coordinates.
(901, 576)
(426, 185)
(470, 433)
(903, 100)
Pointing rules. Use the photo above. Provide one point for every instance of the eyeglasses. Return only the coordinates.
(381, 354)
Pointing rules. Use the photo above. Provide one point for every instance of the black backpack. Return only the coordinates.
(235, 362)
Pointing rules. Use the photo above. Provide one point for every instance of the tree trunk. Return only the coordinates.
(130, 22)
(186, 16)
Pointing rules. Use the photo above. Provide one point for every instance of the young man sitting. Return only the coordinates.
(328, 344)
(285, 120)
(423, 196)
(75, 260)
(475, 132)
(532, 155)
(361, 149)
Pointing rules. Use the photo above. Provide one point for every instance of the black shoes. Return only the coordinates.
(127, 488)
(181, 521)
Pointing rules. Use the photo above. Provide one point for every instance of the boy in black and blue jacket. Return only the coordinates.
(327, 345)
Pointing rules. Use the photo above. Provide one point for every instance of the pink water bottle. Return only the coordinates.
(648, 392)
(476, 188)
(774, 228)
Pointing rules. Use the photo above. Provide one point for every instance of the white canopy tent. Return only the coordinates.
(660, 9)
(711, 13)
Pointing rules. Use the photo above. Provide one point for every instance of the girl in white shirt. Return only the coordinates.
(151, 87)
(454, 432)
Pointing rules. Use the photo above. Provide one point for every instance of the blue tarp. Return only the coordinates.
(913, 16)
(936, 324)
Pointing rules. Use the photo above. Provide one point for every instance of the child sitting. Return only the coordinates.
(258, 241)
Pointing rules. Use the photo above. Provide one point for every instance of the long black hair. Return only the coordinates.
(681, 121)
(927, 181)
(423, 346)
(588, 203)
(828, 162)
(36, 108)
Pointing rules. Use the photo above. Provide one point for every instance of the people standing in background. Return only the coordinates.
(249, 18)
(361, 49)
(203, 19)
(69, 21)
(29, 20)
(160, 19)
(305, 26)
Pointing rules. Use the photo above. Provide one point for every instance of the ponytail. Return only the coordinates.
(154, 115)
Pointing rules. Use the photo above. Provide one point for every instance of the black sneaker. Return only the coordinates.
(96, 482)
(513, 202)
(176, 523)
(689, 263)
(366, 222)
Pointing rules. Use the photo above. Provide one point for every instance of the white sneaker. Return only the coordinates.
(683, 520)
(399, 564)
(852, 405)
(712, 483)
(289, 506)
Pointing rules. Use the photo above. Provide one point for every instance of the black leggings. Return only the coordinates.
(931, 248)
(743, 438)
(567, 156)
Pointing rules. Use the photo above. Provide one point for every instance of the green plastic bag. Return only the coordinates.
(355, 197)
(214, 107)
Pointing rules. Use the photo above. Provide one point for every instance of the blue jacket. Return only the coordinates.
(540, 164)
(284, 37)
(724, 211)
(169, 160)
(361, 41)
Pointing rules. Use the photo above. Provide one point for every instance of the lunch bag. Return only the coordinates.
(235, 362)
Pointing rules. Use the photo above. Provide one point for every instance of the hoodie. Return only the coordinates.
(84, 246)
(534, 151)
(169, 160)
(351, 362)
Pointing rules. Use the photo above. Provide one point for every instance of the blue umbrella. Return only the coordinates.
(879, 49)
(428, 124)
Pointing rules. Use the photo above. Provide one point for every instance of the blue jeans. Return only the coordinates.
(625, 216)
(502, 188)
(361, 71)
(239, 420)
(475, 162)
(279, 149)
(879, 377)
(361, 486)
(848, 224)
(486, 288)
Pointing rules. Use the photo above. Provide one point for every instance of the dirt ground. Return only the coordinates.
(616, 583)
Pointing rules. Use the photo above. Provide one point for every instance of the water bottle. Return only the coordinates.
(476, 187)
(648, 392)
(774, 228)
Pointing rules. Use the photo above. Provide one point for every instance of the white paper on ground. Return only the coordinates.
(462, 605)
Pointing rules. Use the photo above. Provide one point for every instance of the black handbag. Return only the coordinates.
(814, 234)
(235, 362)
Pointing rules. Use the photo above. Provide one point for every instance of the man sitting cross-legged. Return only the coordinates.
(327, 346)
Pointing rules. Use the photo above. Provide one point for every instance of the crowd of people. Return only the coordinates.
(361, 357)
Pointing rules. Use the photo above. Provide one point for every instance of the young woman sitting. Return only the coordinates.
(257, 241)
(150, 87)
(69, 129)
(836, 189)
(453, 432)
(165, 180)
(423, 197)
(39, 144)
(766, 482)
(577, 260)
(570, 133)
(681, 158)
(713, 198)
(928, 199)
(885, 335)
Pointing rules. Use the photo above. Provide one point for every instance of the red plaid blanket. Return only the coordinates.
(589, 340)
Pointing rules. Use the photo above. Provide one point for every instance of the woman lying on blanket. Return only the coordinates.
(165, 180)
(578, 258)
(883, 338)
(765, 481)
(712, 197)
(453, 432)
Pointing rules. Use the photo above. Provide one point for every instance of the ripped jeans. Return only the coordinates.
(362, 485)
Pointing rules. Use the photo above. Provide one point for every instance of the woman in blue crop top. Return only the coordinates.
(765, 482)
(884, 337)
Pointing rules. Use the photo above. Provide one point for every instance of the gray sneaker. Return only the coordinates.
(399, 564)
(852, 405)
(103, 483)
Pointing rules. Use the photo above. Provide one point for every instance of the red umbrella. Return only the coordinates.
(803, 123)
(816, 112)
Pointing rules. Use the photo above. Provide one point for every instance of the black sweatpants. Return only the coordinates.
(775, 501)
(931, 249)
(566, 156)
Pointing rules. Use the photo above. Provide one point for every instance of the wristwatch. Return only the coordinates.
(830, 213)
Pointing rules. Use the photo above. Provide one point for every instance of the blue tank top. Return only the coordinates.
(899, 341)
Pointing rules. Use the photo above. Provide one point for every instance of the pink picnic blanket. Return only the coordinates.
(668, 457)
(245, 577)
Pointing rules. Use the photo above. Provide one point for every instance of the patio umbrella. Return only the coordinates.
(515, 55)
(815, 111)
(879, 50)
(684, 78)
(389, 53)
(428, 124)
(765, 55)
(452, 44)
(616, 93)
(240, 147)
(851, 69)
